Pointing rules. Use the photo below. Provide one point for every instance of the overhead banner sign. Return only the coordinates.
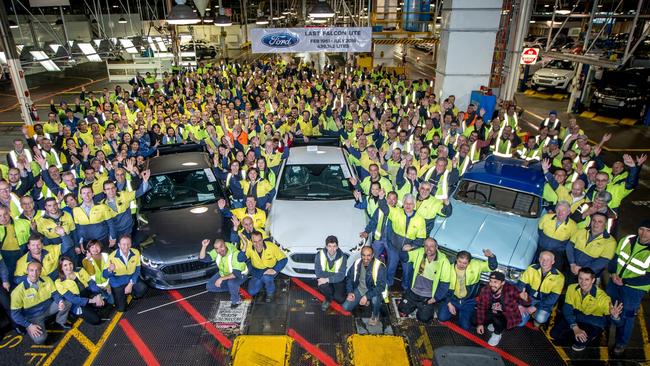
(290, 40)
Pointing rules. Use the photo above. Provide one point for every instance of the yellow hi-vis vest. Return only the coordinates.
(376, 264)
(324, 264)
(633, 260)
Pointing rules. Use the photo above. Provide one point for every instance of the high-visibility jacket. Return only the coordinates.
(21, 230)
(552, 236)
(259, 217)
(593, 308)
(46, 226)
(70, 291)
(441, 190)
(429, 208)
(49, 259)
(125, 271)
(594, 254)
(95, 268)
(546, 289)
(122, 217)
(271, 256)
(367, 182)
(411, 230)
(632, 261)
(98, 225)
(502, 148)
(438, 271)
(229, 263)
(473, 272)
(377, 274)
(14, 205)
(334, 270)
(28, 301)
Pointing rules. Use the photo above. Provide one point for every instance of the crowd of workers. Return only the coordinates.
(68, 198)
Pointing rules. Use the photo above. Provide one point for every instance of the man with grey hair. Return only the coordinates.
(555, 231)
(600, 204)
(408, 231)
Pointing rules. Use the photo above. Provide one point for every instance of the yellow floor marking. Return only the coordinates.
(628, 121)
(100, 343)
(529, 92)
(587, 114)
(87, 343)
(558, 96)
(59, 347)
(42, 346)
(607, 120)
(547, 332)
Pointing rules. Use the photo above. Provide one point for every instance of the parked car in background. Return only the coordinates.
(202, 49)
(314, 199)
(556, 74)
(497, 205)
(623, 92)
(176, 214)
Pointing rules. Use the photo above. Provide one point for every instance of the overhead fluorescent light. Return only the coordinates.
(44, 60)
(128, 46)
(562, 12)
(182, 14)
(55, 47)
(161, 46)
(90, 53)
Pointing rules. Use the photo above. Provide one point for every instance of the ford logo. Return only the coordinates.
(280, 40)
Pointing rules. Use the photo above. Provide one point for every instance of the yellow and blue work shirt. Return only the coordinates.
(229, 263)
(544, 288)
(554, 235)
(50, 255)
(407, 230)
(126, 269)
(98, 225)
(95, 268)
(592, 308)
(46, 226)
(270, 257)
(29, 300)
(594, 253)
(259, 217)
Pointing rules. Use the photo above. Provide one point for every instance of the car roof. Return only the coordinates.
(174, 162)
(509, 173)
(315, 155)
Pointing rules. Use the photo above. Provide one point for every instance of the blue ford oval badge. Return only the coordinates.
(280, 39)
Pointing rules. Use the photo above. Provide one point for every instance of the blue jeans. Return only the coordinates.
(393, 255)
(540, 316)
(375, 302)
(631, 299)
(11, 257)
(259, 280)
(231, 285)
(464, 311)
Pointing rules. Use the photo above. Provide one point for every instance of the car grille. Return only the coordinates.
(304, 271)
(185, 267)
(303, 257)
(611, 101)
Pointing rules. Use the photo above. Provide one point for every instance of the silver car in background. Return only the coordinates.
(314, 199)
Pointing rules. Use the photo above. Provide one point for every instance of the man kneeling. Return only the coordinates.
(330, 264)
(366, 284)
(232, 273)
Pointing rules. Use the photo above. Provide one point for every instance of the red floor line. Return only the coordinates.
(336, 306)
(323, 357)
(483, 343)
(245, 294)
(200, 319)
(425, 362)
(139, 344)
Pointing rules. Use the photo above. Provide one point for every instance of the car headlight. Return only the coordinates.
(632, 99)
(149, 263)
(598, 95)
(560, 77)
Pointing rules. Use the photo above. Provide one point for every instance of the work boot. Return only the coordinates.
(578, 347)
(618, 350)
(490, 327)
(374, 320)
(325, 305)
(234, 305)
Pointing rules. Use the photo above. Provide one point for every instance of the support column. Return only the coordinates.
(15, 70)
(466, 47)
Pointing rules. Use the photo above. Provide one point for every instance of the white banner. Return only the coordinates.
(44, 3)
(289, 40)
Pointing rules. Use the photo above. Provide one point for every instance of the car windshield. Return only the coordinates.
(498, 198)
(560, 64)
(313, 182)
(629, 80)
(181, 189)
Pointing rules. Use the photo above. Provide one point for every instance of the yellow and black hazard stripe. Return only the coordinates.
(404, 40)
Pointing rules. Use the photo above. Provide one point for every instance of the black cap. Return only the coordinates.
(498, 276)
(645, 223)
